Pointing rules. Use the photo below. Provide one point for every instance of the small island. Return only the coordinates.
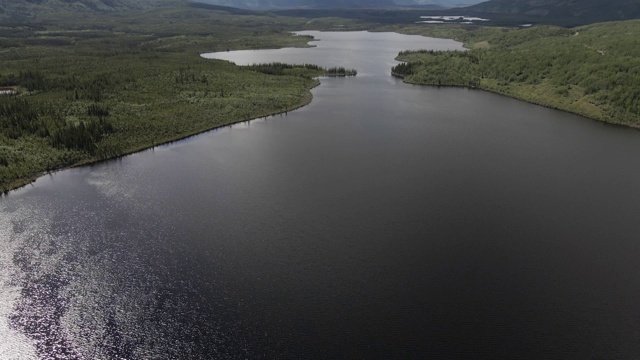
(305, 70)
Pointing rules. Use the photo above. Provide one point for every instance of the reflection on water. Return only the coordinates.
(14, 345)
(381, 221)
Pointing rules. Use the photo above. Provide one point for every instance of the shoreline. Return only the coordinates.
(21, 183)
(542, 66)
(525, 99)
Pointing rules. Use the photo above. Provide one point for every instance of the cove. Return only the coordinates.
(382, 221)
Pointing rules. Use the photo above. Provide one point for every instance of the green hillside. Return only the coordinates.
(13, 11)
(561, 11)
(592, 70)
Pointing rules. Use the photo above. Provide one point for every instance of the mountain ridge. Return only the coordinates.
(332, 4)
(580, 11)
(29, 9)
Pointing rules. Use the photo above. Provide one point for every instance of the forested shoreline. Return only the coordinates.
(87, 92)
(98, 88)
(592, 70)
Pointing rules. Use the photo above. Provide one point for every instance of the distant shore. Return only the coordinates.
(591, 71)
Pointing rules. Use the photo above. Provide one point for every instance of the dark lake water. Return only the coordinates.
(382, 221)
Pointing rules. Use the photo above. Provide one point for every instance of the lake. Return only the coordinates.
(382, 221)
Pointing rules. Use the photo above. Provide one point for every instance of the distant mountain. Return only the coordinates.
(104, 5)
(329, 4)
(580, 11)
(297, 4)
(440, 3)
(22, 9)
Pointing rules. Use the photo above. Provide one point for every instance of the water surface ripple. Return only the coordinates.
(382, 221)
